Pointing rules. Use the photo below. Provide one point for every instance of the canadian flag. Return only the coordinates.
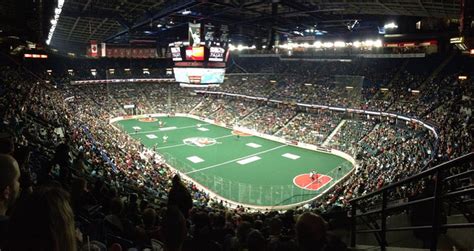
(93, 48)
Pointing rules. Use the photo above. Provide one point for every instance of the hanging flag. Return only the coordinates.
(94, 48)
(103, 50)
(194, 34)
(224, 39)
(209, 34)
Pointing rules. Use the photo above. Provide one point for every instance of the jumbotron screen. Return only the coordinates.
(200, 53)
(199, 75)
(198, 65)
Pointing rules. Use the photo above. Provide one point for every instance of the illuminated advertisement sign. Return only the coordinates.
(195, 53)
(176, 53)
(199, 75)
(216, 54)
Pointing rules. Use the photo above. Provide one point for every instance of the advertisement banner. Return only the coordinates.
(194, 34)
(176, 54)
(224, 36)
(209, 34)
(216, 54)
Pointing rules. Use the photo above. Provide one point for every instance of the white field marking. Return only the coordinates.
(253, 145)
(195, 159)
(151, 136)
(230, 161)
(317, 180)
(248, 160)
(136, 128)
(203, 129)
(178, 128)
(221, 137)
(168, 128)
(290, 156)
(338, 127)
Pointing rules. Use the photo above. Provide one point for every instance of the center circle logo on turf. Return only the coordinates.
(199, 141)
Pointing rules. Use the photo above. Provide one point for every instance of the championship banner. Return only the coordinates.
(94, 48)
(224, 35)
(103, 50)
(194, 34)
(209, 34)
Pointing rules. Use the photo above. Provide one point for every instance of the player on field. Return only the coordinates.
(165, 138)
(313, 175)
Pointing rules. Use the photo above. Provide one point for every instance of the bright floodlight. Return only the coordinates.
(339, 44)
(328, 44)
(378, 43)
(391, 25)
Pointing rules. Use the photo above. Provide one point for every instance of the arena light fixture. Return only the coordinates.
(339, 44)
(357, 44)
(462, 77)
(317, 44)
(390, 25)
(384, 89)
(368, 43)
(378, 43)
(415, 91)
(54, 21)
(328, 44)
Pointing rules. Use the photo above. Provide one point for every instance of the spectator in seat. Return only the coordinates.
(174, 229)
(63, 160)
(310, 232)
(10, 189)
(180, 197)
(255, 241)
(6, 144)
(43, 221)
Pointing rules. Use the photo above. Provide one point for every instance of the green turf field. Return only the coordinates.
(246, 169)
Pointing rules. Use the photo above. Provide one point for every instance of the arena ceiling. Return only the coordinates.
(125, 20)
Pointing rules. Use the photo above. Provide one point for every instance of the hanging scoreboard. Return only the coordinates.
(201, 60)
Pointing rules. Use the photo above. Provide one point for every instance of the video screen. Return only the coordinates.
(216, 54)
(176, 54)
(199, 75)
(195, 53)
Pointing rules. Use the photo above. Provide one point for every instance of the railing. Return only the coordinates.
(254, 195)
(433, 195)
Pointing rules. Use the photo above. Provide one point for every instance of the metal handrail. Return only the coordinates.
(438, 195)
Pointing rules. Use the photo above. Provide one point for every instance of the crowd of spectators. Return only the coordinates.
(60, 156)
(267, 119)
(311, 128)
